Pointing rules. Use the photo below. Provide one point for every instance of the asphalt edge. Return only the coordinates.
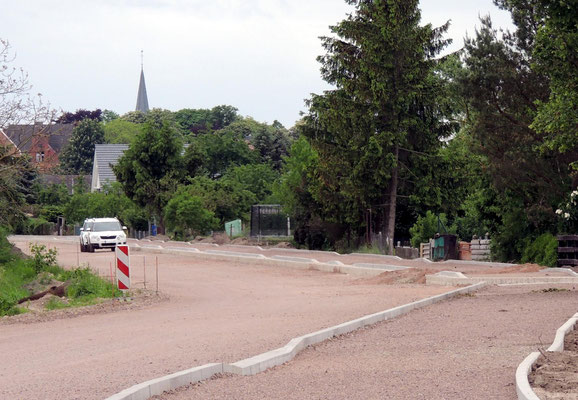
(523, 388)
(264, 361)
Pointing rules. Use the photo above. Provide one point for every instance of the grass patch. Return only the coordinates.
(16, 274)
(365, 249)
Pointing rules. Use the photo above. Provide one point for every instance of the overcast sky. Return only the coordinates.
(256, 55)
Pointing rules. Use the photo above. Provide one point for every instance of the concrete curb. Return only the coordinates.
(264, 361)
(384, 267)
(558, 343)
(259, 259)
(523, 388)
(146, 390)
(261, 362)
(445, 280)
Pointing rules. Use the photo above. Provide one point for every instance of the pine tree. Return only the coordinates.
(77, 157)
(383, 110)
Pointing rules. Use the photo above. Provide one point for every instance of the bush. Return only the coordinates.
(84, 283)
(425, 228)
(42, 258)
(542, 251)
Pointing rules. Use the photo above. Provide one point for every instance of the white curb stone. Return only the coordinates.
(264, 361)
(523, 388)
(298, 259)
(145, 390)
(384, 267)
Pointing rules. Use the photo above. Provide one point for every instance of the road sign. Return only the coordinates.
(122, 267)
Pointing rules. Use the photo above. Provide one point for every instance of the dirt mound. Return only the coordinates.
(523, 268)
(221, 238)
(44, 281)
(243, 241)
(412, 275)
(158, 237)
(284, 245)
(555, 374)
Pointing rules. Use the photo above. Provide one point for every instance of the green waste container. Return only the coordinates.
(445, 248)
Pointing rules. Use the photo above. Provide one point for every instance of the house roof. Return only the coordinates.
(23, 136)
(105, 156)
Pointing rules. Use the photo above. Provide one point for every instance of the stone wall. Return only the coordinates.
(481, 249)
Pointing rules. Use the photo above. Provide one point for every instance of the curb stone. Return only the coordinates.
(523, 388)
(264, 361)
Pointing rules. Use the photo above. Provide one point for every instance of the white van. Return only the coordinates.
(101, 233)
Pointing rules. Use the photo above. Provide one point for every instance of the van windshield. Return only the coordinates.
(106, 226)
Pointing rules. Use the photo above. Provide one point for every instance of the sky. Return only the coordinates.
(256, 55)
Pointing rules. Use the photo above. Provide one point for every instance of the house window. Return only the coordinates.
(40, 157)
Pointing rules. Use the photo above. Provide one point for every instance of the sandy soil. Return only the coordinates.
(465, 348)
(212, 312)
(556, 376)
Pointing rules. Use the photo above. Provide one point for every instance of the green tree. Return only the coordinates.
(110, 202)
(383, 111)
(214, 153)
(121, 131)
(77, 157)
(226, 198)
(185, 213)
(504, 91)
(151, 169)
(256, 178)
(426, 227)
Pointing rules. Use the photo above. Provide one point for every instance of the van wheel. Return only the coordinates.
(82, 249)
(89, 248)
(112, 249)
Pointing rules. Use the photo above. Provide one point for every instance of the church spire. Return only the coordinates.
(142, 102)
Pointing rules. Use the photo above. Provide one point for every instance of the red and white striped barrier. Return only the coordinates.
(122, 267)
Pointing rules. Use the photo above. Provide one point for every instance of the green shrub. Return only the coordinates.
(542, 251)
(425, 228)
(42, 258)
(84, 283)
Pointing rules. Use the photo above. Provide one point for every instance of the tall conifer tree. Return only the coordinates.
(382, 113)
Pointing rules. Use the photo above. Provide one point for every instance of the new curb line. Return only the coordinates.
(261, 362)
(523, 388)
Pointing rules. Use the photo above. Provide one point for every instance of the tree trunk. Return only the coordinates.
(390, 228)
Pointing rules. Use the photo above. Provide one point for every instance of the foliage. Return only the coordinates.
(110, 202)
(185, 213)
(227, 199)
(120, 131)
(151, 169)
(85, 283)
(80, 115)
(256, 178)
(109, 115)
(42, 258)
(426, 227)
(51, 195)
(78, 155)
(568, 214)
(51, 213)
(213, 153)
(542, 251)
(383, 113)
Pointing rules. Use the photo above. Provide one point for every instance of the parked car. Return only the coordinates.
(101, 233)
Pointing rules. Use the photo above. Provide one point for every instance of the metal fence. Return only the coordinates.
(269, 220)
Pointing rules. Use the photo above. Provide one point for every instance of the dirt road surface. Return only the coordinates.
(216, 312)
(464, 348)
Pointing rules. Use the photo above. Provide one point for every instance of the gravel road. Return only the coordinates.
(216, 312)
(465, 348)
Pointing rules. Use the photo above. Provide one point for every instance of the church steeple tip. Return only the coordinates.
(142, 102)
